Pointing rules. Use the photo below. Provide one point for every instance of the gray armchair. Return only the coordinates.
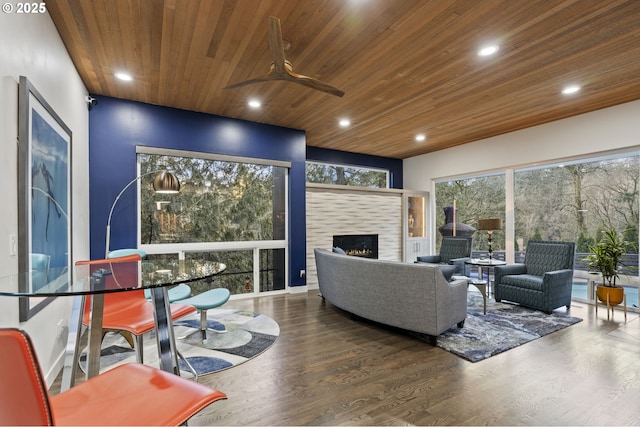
(543, 282)
(454, 251)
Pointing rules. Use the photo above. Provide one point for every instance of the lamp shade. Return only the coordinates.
(489, 224)
(166, 183)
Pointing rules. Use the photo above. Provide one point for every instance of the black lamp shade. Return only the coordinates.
(166, 183)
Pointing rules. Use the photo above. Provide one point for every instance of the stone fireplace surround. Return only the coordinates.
(333, 211)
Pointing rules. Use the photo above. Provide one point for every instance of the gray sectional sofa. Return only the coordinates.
(414, 297)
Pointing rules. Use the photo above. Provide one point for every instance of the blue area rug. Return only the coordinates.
(505, 326)
(247, 335)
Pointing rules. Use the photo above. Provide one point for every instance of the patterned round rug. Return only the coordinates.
(247, 335)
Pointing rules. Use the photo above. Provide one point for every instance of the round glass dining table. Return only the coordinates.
(108, 276)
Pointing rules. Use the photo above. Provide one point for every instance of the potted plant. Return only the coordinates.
(605, 257)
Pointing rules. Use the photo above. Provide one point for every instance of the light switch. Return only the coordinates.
(13, 245)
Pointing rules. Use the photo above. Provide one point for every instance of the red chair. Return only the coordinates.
(127, 311)
(131, 394)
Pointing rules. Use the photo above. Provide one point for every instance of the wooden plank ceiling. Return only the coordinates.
(406, 66)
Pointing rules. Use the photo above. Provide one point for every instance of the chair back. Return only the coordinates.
(123, 270)
(126, 252)
(124, 273)
(455, 247)
(542, 257)
(24, 399)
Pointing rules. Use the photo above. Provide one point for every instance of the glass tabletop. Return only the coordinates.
(484, 262)
(113, 276)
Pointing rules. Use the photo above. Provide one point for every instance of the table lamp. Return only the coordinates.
(489, 225)
(164, 183)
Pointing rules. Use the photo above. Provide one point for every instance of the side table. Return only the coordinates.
(485, 263)
(480, 284)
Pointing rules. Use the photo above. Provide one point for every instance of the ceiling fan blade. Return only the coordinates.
(313, 83)
(275, 44)
(253, 81)
(281, 69)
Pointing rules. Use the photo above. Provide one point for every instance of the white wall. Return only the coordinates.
(599, 132)
(608, 129)
(32, 47)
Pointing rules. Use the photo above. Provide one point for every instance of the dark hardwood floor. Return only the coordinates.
(328, 369)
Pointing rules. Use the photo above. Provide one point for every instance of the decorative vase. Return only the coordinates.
(616, 294)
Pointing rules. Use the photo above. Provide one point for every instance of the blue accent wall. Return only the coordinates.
(117, 126)
(354, 159)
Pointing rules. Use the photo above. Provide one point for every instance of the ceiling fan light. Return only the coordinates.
(166, 183)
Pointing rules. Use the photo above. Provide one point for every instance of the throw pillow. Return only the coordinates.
(447, 270)
(339, 251)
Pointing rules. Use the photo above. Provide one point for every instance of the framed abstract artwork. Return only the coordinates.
(44, 199)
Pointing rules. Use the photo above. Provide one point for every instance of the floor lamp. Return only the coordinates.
(489, 225)
(163, 183)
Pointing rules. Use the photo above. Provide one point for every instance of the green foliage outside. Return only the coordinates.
(320, 173)
(219, 201)
(564, 202)
(475, 198)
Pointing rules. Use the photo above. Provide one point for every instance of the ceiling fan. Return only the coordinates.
(281, 69)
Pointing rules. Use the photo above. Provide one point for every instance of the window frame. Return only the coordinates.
(342, 165)
(255, 245)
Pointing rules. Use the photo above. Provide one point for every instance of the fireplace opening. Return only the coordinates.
(362, 245)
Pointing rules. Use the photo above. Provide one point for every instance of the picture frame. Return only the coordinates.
(44, 200)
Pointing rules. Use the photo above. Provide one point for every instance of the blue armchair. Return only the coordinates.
(543, 282)
(454, 251)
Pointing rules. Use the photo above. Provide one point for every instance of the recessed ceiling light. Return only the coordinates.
(568, 90)
(344, 123)
(488, 50)
(254, 103)
(124, 76)
(420, 137)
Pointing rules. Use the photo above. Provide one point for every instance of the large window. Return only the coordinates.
(325, 173)
(569, 201)
(219, 201)
(228, 210)
(577, 201)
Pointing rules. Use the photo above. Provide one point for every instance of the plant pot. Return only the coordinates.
(616, 294)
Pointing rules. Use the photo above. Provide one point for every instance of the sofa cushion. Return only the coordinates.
(338, 250)
(526, 281)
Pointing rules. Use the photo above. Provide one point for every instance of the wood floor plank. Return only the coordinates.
(330, 369)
